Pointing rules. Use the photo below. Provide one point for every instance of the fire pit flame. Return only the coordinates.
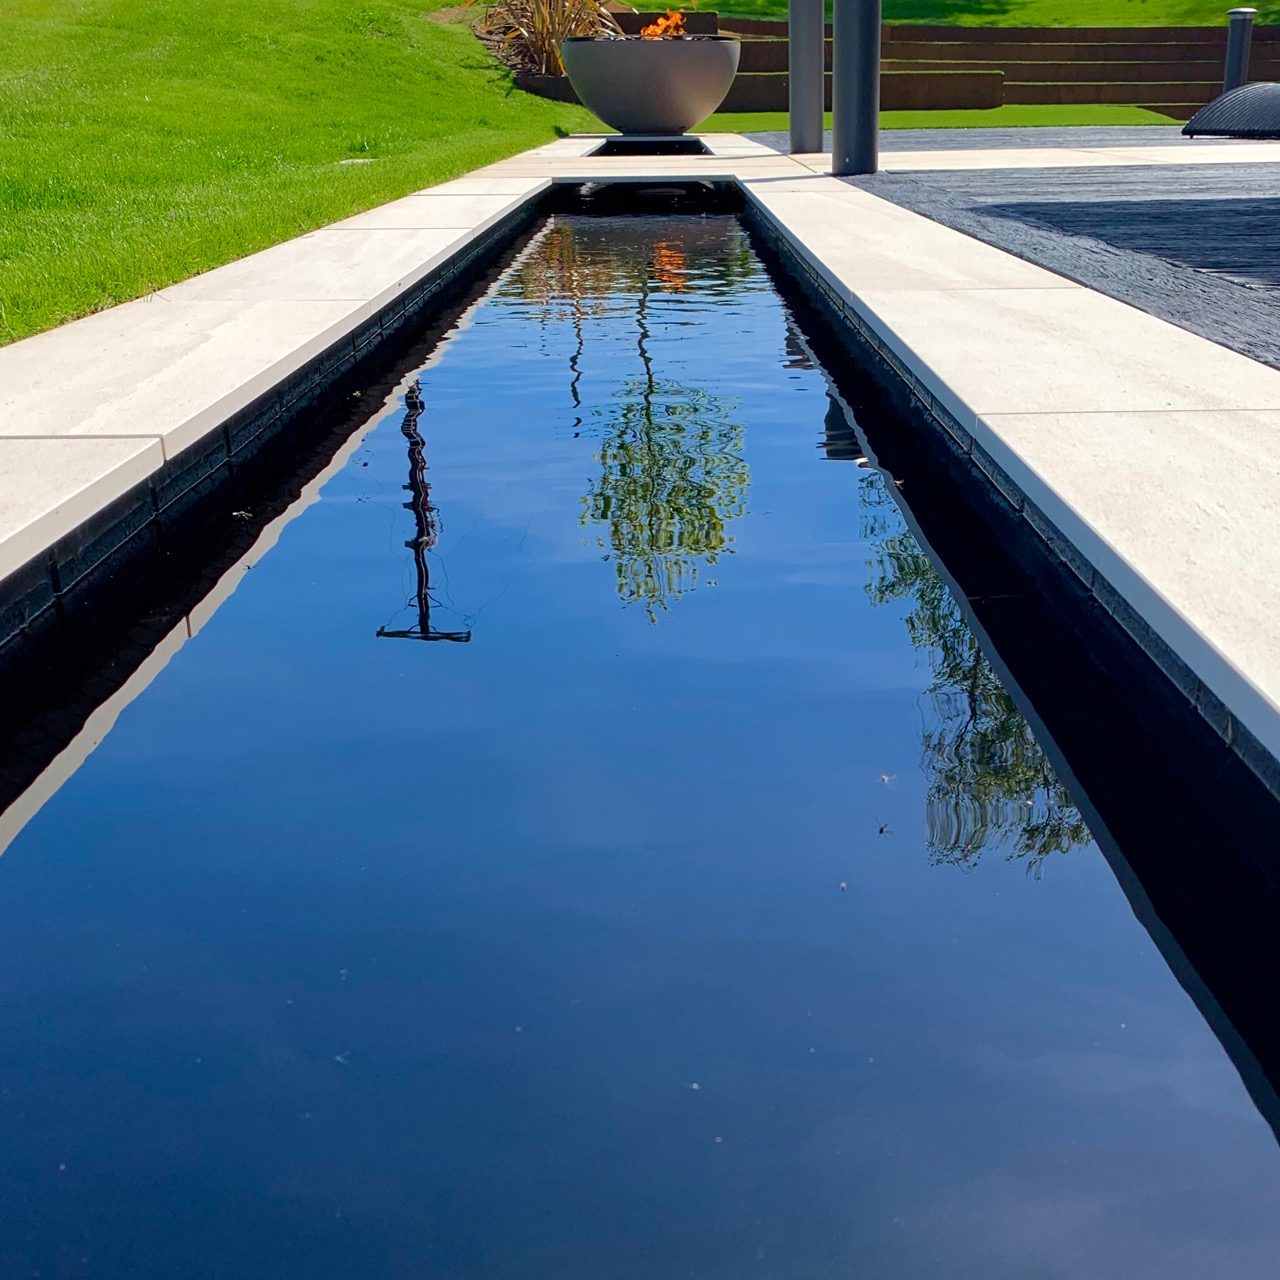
(670, 25)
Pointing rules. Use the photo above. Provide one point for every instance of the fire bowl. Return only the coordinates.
(651, 86)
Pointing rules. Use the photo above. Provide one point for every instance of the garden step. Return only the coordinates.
(772, 55)
(899, 91)
(1060, 72)
(1181, 36)
(1034, 51)
(1132, 93)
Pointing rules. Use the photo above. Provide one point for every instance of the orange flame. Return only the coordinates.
(671, 24)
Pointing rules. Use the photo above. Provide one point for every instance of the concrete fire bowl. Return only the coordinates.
(651, 86)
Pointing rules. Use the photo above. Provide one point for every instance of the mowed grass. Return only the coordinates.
(1034, 13)
(142, 142)
(995, 118)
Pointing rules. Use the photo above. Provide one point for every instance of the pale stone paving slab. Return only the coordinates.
(425, 211)
(362, 264)
(873, 247)
(160, 368)
(51, 487)
(1039, 351)
(1180, 512)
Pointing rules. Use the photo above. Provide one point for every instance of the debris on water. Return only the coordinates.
(242, 515)
(342, 1058)
(342, 973)
(883, 830)
(696, 1087)
(844, 885)
(519, 1027)
(887, 778)
(717, 1140)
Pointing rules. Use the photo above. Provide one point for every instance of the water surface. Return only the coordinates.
(591, 843)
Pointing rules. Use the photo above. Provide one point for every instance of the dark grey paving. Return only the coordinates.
(1196, 245)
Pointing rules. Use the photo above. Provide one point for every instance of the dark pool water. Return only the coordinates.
(695, 904)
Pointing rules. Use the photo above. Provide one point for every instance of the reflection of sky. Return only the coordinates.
(353, 957)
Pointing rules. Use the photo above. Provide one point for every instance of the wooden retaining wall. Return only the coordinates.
(1172, 70)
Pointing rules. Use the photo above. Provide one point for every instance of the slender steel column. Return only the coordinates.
(1239, 38)
(855, 89)
(807, 74)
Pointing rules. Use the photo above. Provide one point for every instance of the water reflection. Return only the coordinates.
(988, 780)
(672, 476)
(672, 469)
(429, 930)
(426, 530)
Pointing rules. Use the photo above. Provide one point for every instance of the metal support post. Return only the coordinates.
(807, 74)
(1239, 38)
(855, 90)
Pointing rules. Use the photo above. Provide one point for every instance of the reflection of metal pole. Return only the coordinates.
(806, 38)
(426, 527)
(855, 86)
(1239, 38)
(839, 440)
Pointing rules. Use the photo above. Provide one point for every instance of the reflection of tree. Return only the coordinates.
(672, 475)
(672, 471)
(989, 780)
(591, 266)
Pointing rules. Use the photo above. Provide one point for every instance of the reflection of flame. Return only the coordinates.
(669, 266)
(670, 24)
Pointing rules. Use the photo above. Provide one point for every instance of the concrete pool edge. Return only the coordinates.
(1146, 628)
(80, 530)
(1229, 690)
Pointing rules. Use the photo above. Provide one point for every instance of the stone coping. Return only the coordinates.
(1149, 456)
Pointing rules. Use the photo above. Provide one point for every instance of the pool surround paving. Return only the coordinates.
(1143, 455)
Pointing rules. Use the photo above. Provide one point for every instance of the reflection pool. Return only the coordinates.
(592, 844)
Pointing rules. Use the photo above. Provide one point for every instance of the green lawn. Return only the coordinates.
(142, 141)
(996, 118)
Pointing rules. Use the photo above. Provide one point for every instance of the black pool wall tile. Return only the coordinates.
(24, 595)
(103, 536)
(264, 417)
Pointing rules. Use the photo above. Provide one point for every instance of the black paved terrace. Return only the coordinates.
(1196, 245)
